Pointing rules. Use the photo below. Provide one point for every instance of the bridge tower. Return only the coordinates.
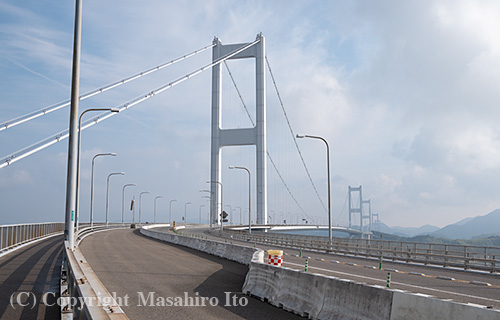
(367, 217)
(353, 209)
(376, 221)
(242, 136)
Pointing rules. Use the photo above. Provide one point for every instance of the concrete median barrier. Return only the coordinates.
(412, 306)
(317, 296)
(232, 252)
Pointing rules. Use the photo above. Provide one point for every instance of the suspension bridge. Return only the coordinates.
(291, 198)
(96, 262)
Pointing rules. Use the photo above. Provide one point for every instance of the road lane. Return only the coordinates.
(129, 264)
(413, 278)
(30, 273)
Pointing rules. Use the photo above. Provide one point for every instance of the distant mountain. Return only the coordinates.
(472, 227)
(406, 231)
(463, 221)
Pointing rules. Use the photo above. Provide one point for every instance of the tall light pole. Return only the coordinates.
(221, 202)
(200, 211)
(170, 211)
(211, 218)
(210, 208)
(231, 214)
(123, 197)
(92, 186)
(157, 197)
(240, 214)
(185, 212)
(140, 195)
(249, 197)
(107, 192)
(69, 230)
(329, 192)
(272, 216)
(133, 209)
(79, 146)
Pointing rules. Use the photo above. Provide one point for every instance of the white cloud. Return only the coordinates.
(405, 92)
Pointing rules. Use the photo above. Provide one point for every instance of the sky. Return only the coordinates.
(405, 92)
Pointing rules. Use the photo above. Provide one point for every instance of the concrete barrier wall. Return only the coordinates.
(232, 252)
(410, 306)
(318, 296)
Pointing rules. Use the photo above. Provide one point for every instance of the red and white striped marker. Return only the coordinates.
(275, 258)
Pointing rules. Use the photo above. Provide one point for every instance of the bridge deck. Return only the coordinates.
(409, 277)
(28, 274)
(128, 263)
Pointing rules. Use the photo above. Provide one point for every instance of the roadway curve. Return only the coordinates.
(461, 286)
(128, 263)
(29, 273)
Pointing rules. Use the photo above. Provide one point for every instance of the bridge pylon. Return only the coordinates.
(242, 136)
(354, 209)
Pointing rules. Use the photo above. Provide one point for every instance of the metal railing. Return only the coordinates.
(16, 234)
(86, 229)
(446, 255)
(79, 284)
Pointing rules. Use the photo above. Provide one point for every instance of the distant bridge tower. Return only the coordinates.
(367, 217)
(353, 209)
(244, 136)
(376, 221)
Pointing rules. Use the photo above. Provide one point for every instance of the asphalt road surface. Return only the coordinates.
(155, 280)
(444, 283)
(27, 275)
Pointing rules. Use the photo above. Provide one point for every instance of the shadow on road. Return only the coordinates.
(225, 285)
(27, 276)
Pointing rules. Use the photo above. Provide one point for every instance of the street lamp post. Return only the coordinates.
(231, 214)
(107, 192)
(221, 202)
(92, 186)
(69, 230)
(185, 212)
(140, 195)
(79, 146)
(157, 197)
(272, 216)
(249, 197)
(200, 211)
(329, 192)
(240, 214)
(123, 197)
(170, 211)
(211, 206)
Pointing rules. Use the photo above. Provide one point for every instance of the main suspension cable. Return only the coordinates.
(268, 155)
(57, 106)
(293, 135)
(20, 154)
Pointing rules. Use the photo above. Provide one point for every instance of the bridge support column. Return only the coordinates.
(244, 136)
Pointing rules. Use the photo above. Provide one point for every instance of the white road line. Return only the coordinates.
(399, 283)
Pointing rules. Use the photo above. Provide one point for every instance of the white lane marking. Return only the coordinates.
(399, 283)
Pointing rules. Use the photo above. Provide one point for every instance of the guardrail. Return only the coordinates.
(86, 230)
(83, 296)
(16, 234)
(446, 255)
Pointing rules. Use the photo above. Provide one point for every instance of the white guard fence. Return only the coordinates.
(17, 234)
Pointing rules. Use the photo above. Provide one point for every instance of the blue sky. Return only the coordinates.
(405, 92)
